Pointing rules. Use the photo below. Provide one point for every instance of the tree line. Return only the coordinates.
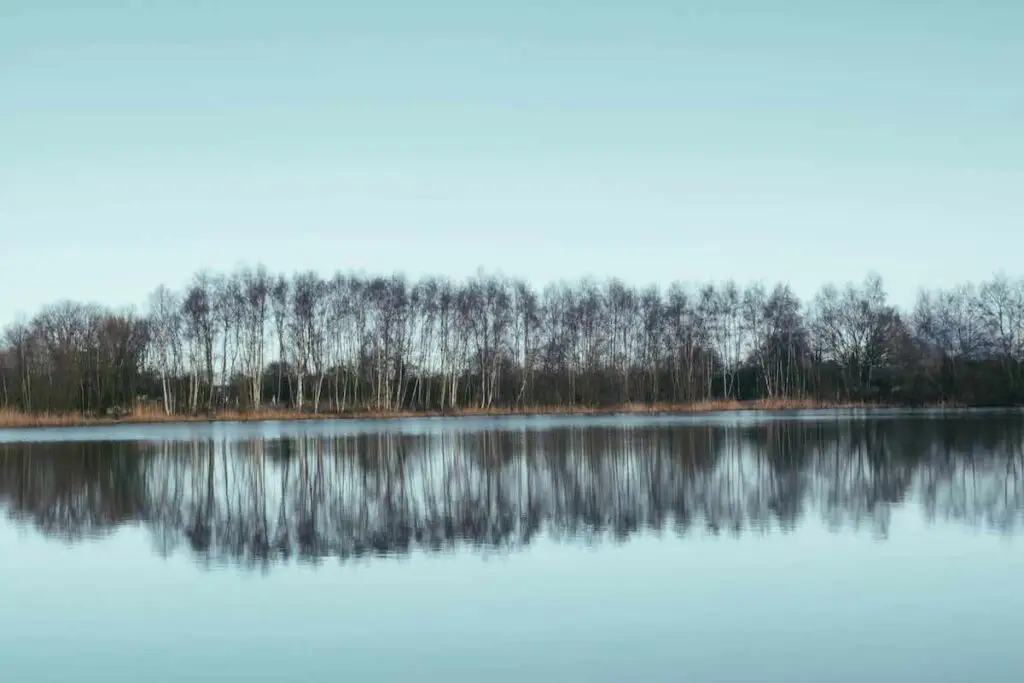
(252, 340)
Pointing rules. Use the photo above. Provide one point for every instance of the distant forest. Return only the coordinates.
(252, 340)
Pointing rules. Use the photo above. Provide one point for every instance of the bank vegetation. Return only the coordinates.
(255, 344)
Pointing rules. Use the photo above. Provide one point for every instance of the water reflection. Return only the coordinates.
(254, 502)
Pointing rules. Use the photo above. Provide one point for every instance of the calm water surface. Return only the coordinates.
(789, 547)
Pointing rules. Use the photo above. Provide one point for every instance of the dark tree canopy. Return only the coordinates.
(252, 339)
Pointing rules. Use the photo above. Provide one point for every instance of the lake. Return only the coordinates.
(813, 546)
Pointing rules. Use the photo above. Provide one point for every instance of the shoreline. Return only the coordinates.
(18, 420)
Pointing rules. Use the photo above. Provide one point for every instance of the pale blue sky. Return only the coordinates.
(805, 141)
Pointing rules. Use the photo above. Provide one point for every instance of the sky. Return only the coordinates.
(649, 140)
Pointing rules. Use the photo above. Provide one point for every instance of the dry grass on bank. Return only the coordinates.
(12, 418)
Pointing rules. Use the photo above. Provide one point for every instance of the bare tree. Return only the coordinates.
(279, 303)
(198, 313)
(255, 288)
(358, 342)
(166, 326)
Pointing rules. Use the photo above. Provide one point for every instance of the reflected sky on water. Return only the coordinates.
(837, 548)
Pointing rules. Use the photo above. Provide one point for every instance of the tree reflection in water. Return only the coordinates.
(255, 502)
